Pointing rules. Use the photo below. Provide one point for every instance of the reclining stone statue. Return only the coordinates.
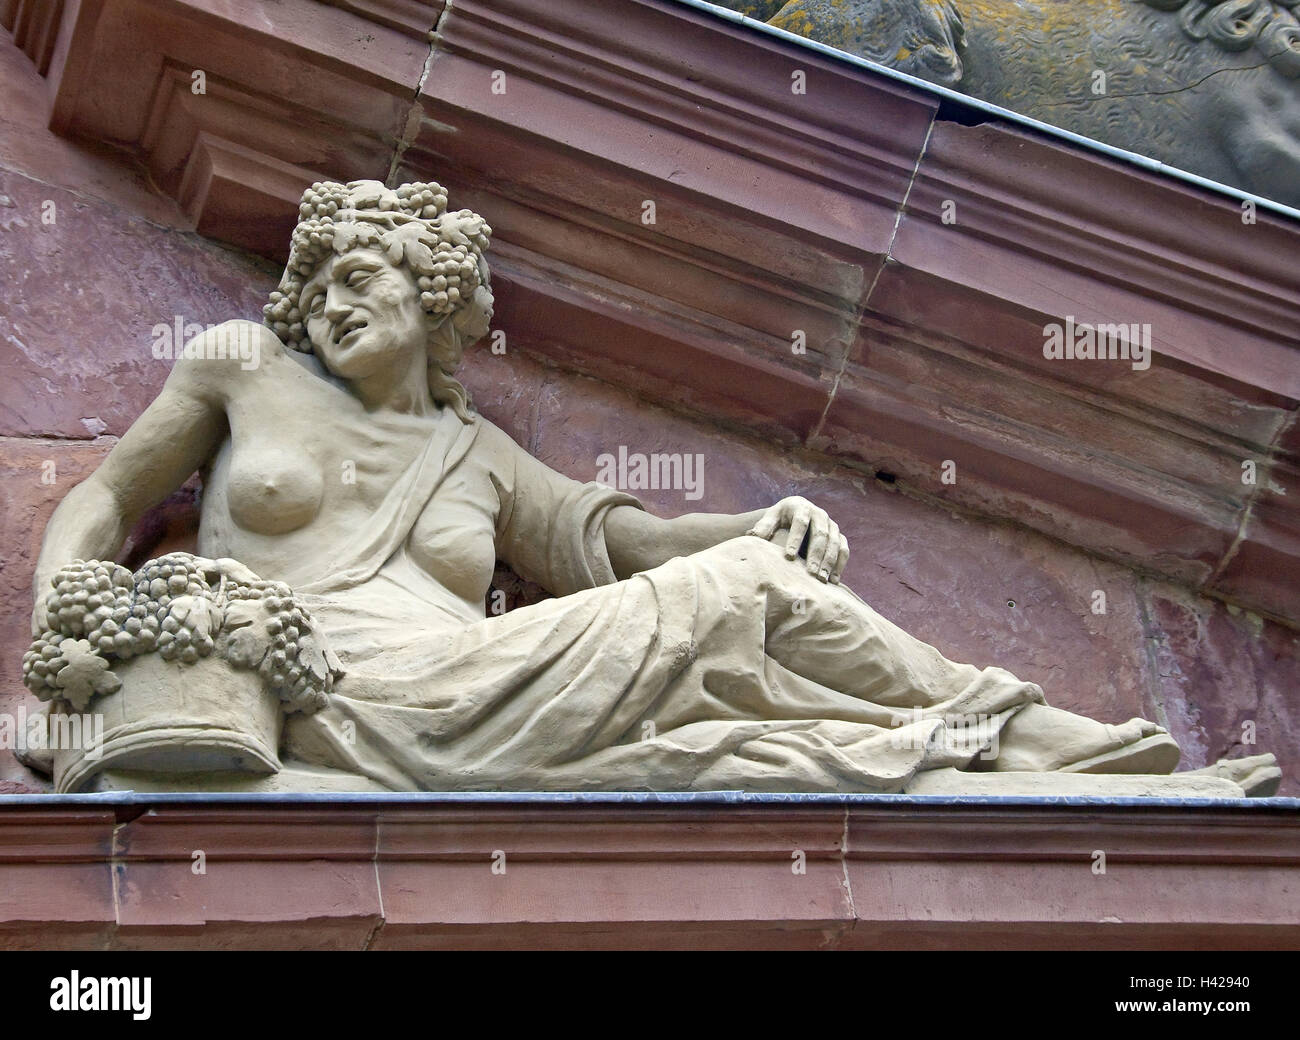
(1207, 86)
(332, 632)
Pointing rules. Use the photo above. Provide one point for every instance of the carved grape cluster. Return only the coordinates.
(42, 664)
(168, 609)
(322, 200)
(100, 612)
(93, 600)
(423, 199)
(285, 650)
(453, 276)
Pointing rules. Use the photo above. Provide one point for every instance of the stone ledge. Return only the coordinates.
(654, 871)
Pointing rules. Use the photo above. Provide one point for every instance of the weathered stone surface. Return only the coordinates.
(947, 578)
(59, 879)
(1222, 675)
(25, 505)
(90, 171)
(26, 502)
(931, 585)
(403, 506)
(78, 350)
(171, 526)
(162, 904)
(1262, 570)
(507, 388)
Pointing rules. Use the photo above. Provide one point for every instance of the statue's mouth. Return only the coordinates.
(349, 327)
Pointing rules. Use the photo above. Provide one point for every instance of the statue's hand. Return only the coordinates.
(828, 550)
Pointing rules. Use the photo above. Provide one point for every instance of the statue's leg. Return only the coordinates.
(826, 638)
(828, 634)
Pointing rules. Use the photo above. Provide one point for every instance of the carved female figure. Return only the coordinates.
(702, 652)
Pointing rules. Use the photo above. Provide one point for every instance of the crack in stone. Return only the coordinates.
(115, 868)
(379, 894)
(415, 113)
(1261, 481)
(844, 867)
(856, 324)
(53, 439)
(534, 417)
(1154, 93)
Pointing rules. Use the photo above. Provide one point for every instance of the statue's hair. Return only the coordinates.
(1234, 25)
(924, 38)
(412, 226)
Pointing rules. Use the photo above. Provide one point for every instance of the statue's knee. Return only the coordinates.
(751, 561)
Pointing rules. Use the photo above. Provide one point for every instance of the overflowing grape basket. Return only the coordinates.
(191, 663)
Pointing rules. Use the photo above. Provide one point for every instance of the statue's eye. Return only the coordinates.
(357, 278)
(317, 305)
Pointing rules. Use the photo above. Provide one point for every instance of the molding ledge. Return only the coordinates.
(376, 875)
(35, 28)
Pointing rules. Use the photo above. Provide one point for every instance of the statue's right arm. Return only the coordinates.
(173, 437)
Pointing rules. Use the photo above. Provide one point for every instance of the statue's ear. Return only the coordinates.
(921, 37)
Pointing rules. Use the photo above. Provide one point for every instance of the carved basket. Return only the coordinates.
(173, 718)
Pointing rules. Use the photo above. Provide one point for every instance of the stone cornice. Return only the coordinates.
(35, 28)
(1137, 240)
(414, 18)
(375, 875)
(776, 211)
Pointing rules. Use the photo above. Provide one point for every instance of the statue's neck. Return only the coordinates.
(402, 388)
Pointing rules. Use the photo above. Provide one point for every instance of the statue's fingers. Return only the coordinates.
(766, 525)
(842, 562)
(817, 542)
(798, 528)
(833, 541)
(827, 563)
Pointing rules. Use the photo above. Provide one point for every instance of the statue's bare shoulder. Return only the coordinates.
(187, 421)
(218, 363)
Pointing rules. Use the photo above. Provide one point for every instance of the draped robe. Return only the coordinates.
(688, 676)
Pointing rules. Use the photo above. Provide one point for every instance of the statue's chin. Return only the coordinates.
(366, 354)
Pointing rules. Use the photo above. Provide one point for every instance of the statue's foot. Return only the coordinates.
(1040, 738)
(1257, 775)
(1142, 747)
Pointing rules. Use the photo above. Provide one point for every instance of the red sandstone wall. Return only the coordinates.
(81, 295)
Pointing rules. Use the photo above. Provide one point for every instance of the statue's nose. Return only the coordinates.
(335, 311)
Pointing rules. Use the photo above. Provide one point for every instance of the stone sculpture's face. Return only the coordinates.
(363, 313)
